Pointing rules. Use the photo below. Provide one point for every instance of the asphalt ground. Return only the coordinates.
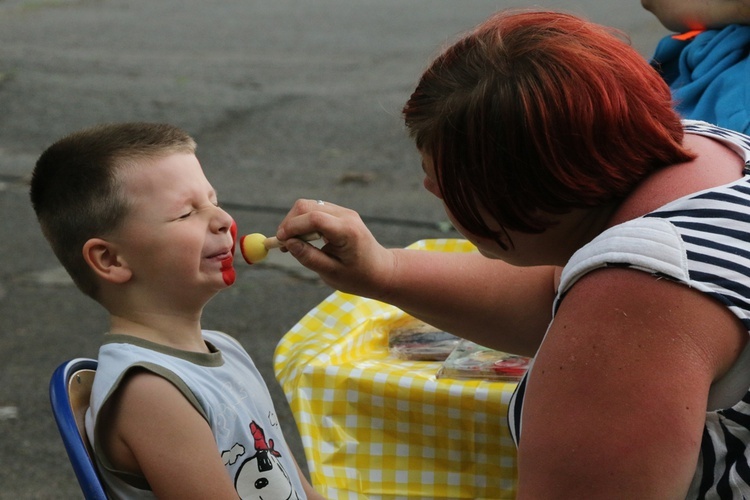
(286, 99)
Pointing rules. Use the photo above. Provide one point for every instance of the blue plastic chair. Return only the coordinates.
(69, 391)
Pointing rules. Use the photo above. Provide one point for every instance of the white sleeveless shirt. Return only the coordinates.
(226, 388)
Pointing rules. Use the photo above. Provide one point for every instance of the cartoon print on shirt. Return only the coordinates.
(260, 477)
(230, 411)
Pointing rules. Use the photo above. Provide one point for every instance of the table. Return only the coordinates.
(377, 427)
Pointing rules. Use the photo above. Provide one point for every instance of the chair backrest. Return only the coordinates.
(69, 391)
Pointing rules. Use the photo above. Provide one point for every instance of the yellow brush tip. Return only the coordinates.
(252, 248)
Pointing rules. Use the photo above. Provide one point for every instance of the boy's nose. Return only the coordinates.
(223, 221)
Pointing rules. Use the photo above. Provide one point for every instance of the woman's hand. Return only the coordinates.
(350, 260)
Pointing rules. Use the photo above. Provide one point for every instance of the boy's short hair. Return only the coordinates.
(537, 113)
(76, 187)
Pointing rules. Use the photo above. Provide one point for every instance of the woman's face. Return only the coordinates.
(486, 246)
(430, 183)
(554, 246)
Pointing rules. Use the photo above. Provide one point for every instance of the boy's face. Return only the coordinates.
(175, 237)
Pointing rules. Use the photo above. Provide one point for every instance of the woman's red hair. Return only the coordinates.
(533, 114)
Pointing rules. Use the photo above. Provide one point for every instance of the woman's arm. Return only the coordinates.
(615, 404)
(484, 300)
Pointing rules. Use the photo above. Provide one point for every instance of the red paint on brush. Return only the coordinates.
(243, 253)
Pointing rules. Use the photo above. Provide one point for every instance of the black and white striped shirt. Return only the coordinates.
(702, 240)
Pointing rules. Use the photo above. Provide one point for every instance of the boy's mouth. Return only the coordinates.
(222, 255)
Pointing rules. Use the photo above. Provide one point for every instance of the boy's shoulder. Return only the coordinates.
(216, 337)
(120, 352)
(193, 373)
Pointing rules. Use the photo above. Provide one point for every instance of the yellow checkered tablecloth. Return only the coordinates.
(377, 427)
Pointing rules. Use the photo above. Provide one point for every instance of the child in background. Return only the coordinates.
(706, 64)
(176, 411)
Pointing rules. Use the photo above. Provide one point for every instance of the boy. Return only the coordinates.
(176, 411)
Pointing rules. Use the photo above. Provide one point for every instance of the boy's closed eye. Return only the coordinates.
(185, 215)
(193, 210)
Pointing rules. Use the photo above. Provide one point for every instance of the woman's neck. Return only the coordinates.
(714, 165)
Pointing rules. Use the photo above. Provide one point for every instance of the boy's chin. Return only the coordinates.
(229, 276)
(228, 273)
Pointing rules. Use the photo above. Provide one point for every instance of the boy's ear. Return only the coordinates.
(103, 258)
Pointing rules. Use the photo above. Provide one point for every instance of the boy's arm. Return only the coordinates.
(156, 432)
(686, 15)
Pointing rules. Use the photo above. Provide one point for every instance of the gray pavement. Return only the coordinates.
(286, 99)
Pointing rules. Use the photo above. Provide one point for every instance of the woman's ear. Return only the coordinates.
(103, 258)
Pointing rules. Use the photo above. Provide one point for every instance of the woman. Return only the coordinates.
(611, 241)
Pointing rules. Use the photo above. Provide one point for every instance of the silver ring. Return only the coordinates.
(319, 202)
